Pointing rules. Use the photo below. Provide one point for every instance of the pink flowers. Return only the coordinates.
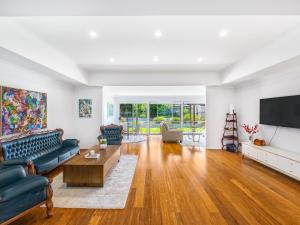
(250, 130)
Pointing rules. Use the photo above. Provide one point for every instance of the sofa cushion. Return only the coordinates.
(74, 150)
(23, 202)
(45, 163)
(64, 152)
(21, 186)
(63, 155)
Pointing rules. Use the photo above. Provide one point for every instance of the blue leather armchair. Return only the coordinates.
(112, 133)
(20, 192)
(39, 153)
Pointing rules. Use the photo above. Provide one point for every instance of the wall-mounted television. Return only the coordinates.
(282, 111)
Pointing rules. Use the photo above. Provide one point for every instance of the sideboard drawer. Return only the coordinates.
(248, 151)
(267, 158)
(262, 156)
(295, 169)
(285, 164)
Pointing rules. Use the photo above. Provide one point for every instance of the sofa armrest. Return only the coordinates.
(70, 142)
(22, 186)
(23, 162)
(12, 162)
(11, 174)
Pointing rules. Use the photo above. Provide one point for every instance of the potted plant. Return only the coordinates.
(103, 143)
(250, 130)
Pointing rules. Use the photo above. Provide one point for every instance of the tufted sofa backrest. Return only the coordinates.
(32, 146)
(113, 134)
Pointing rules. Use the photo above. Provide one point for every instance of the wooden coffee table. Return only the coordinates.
(82, 172)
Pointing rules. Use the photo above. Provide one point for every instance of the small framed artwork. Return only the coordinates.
(110, 110)
(85, 108)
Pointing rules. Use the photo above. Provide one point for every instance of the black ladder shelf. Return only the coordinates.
(230, 134)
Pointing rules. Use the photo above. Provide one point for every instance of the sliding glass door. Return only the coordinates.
(134, 118)
(141, 118)
(193, 118)
(187, 117)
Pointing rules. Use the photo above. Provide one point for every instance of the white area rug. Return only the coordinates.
(133, 138)
(112, 196)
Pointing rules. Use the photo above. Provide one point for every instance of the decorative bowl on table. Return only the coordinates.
(92, 155)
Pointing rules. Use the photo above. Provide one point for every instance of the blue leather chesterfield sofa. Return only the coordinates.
(39, 153)
(19, 193)
(112, 133)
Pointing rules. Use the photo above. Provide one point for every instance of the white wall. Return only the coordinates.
(108, 98)
(218, 99)
(62, 99)
(281, 83)
(60, 105)
(88, 129)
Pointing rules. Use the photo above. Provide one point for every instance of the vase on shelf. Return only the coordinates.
(250, 130)
(103, 146)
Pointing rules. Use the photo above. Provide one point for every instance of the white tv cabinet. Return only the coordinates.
(283, 161)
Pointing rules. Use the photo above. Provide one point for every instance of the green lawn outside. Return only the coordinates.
(155, 130)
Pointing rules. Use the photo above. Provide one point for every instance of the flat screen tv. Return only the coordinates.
(282, 111)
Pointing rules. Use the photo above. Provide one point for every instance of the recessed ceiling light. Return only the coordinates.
(157, 34)
(93, 34)
(223, 33)
(155, 59)
(199, 59)
(111, 59)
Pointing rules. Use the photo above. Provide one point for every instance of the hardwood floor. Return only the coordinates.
(175, 185)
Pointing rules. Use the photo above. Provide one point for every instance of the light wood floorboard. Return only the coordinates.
(182, 186)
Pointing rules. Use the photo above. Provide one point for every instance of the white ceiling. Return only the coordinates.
(131, 42)
(146, 7)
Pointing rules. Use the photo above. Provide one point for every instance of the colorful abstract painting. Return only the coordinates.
(22, 110)
(85, 108)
